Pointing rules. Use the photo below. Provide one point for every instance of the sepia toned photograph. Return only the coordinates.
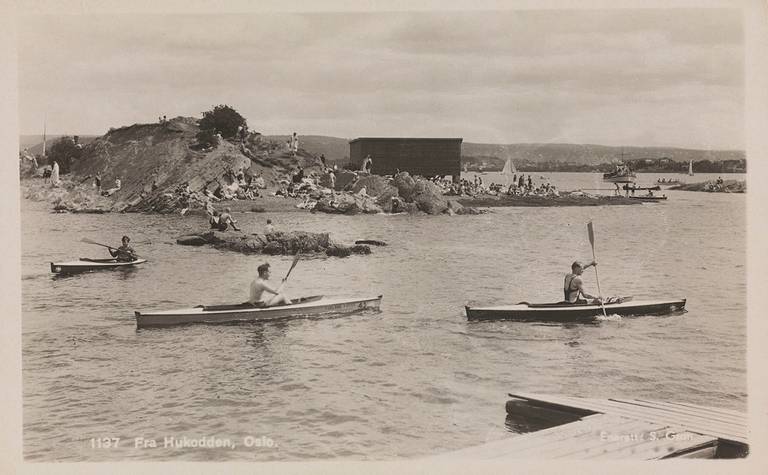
(425, 235)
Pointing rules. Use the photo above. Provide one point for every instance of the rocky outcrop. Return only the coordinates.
(68, 197)
(347, 203)
(402, 193)
(454, 207)
(728, 186)
(277, 243)
(429, 197)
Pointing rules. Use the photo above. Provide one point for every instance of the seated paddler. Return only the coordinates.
(125, 252)
(573, 286)
(261, 290)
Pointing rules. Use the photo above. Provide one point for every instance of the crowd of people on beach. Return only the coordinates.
(519, 186)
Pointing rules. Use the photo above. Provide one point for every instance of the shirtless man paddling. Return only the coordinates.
(261, 285)
(573, 286)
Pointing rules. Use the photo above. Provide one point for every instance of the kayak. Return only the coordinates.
(90, 265)
(567, 312)
(245, 312)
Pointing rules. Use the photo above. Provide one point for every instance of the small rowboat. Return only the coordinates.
(565, 312)
(90, 265)
(315, 305)
(649, 199)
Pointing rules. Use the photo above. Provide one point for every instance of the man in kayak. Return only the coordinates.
(573, 286)
(124, 253)
(261, 285)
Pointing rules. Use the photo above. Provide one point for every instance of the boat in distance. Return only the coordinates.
(579, 312)
(90, 265)
(620, 177)
(245, 312)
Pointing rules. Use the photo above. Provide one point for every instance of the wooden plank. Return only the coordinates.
(601, 437)
(724, 430)
(697, 424)
(614, 439)
(496, 447)
(728, 431)
(558, 434)
(684, 411)
(713, 410)
(658, 447)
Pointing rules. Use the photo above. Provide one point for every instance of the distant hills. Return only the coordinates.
(35, 142)
(336, 149)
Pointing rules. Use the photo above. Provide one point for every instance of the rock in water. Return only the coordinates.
(429, 197)
(405, 185)
(278, 243)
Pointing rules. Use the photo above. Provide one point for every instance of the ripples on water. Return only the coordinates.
(411, 380)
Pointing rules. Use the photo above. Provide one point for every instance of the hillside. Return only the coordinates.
(155, 159)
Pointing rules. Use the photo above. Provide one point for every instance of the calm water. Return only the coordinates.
(412, 380)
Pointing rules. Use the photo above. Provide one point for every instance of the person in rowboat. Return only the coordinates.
(125, 252)
(261, 285)
(573, 285)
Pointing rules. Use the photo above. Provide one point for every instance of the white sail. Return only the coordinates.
(508, 170)
(690, 168)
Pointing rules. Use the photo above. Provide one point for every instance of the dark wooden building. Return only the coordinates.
(418, 156)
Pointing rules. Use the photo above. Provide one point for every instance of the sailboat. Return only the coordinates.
(509, 170)
(690, 168)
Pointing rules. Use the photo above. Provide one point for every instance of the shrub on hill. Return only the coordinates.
(221, 119)
(64, 151)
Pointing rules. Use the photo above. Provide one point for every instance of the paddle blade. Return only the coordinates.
(591, 233)
(293, 264)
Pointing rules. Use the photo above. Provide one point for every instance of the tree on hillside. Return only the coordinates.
(222, 119)
(64, 151)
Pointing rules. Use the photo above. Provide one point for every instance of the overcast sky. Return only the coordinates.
(671, 77)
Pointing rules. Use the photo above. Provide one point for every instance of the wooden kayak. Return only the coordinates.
(316, 305)
(90, 265)
(565, 312)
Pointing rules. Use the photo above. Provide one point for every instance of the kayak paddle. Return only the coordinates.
(591, 233)
(293, 264)
(89, 241)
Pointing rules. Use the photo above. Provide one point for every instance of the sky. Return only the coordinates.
(650, 77)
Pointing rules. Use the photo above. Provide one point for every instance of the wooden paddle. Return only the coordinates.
(90, 241)
(293, 264)
(591, 233)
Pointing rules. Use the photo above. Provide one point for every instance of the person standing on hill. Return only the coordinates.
(294, 144)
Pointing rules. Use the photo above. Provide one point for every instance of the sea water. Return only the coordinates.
(412, 380)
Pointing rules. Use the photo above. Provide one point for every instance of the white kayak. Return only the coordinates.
(90, 265)
(305, 306)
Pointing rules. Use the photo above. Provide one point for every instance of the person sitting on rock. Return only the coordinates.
(269, 228)
(214, 219)
(225, 220)
(124, 253)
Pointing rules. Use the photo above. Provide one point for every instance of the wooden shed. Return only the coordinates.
(418, 156)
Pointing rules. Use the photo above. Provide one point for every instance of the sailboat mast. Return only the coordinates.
(44, 130)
